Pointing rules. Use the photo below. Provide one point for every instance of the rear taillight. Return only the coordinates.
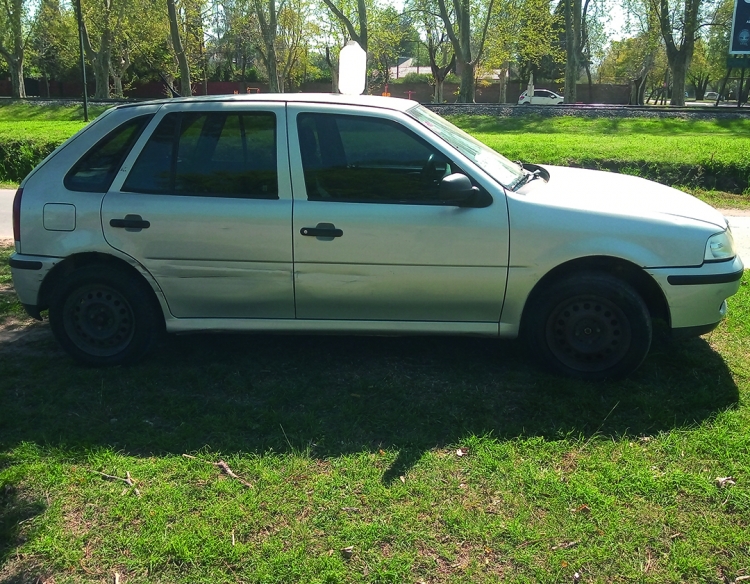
(17, 215)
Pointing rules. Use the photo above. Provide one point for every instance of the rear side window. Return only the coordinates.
(96, 170)
(209, 154)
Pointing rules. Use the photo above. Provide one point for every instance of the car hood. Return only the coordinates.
(617, 194)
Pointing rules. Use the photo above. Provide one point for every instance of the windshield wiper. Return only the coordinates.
(527, 177)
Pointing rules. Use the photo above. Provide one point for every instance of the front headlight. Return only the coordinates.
(720, 247)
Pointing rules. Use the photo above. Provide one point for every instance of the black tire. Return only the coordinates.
(105, 316)
(590, 326)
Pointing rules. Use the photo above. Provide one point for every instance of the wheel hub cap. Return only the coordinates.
(588, 333)
(99, 320)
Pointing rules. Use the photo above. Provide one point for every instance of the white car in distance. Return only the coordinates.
(540, 97)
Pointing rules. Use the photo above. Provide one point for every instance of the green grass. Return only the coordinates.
(705, 158)
(352, 442)
(14, 111)
(34, 131)
(30, 131)
(699, 155)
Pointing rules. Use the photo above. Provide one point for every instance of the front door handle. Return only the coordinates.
(130, 223)
(322, 230)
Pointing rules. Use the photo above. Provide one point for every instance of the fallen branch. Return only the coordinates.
(224, 467)
(228, 471)
(128, 480)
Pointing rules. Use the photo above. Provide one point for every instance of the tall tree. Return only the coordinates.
(679, 26)
(52, 52)
(582, 31)
(385, 38)
(105, 20)
(267, 20)
(13, 42)
(356, 33)
(467, 43)
(175, 27)
(572, 11)
(521, 31)
(439, 49)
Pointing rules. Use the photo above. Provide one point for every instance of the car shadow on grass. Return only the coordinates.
(323, 397)
(330, 396)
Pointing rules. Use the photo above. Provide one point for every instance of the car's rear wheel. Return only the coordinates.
(590, 326)
(103, 316)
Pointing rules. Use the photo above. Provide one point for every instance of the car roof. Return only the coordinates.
(391, 103)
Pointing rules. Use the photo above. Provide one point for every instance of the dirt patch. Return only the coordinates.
(734, 212)
(22, 334)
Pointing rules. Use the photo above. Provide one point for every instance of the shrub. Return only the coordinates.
(18, 156)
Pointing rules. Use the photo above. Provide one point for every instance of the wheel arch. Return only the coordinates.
(634, 275)
(77, 261)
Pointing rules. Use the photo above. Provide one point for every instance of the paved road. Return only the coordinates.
(739, 220)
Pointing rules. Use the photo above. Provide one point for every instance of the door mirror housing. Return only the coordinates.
(456, 188)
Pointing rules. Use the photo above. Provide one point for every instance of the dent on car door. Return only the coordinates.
(393, 250)
(206, 208)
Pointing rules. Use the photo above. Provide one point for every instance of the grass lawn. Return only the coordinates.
(355, 442)
(13, 111)
(705, 158)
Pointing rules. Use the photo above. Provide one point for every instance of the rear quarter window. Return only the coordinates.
(95, 170)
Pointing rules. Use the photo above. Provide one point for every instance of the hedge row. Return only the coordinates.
(731, 177)
(18, 156)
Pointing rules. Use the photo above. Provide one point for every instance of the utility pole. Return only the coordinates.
(83, 62)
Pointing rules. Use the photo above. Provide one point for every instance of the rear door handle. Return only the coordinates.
(323, 230)
(130, 223)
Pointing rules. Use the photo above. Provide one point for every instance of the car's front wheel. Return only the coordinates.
(103, 316)
(590, 326)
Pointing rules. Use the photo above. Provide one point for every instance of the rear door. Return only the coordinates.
(204, 203)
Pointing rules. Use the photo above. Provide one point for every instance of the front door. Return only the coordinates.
(204, 204)
(372, 238)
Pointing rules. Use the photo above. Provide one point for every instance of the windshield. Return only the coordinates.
(507, 173)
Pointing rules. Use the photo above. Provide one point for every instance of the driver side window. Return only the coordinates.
(349, 158)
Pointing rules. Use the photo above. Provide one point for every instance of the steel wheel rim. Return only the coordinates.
(98, 320)
(588, 333)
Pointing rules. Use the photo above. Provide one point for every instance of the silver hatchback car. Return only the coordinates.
(356, 215)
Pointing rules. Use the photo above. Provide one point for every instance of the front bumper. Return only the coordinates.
(697, 296)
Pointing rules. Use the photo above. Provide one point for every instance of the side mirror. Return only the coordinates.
(457, 188)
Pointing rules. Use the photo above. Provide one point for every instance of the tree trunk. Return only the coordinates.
(18, 87)
(99, 59)
(679, 58)
(462, 44)
(182, 62)
(334, 71)
(679, 71)
(572, 12)
(45, 83)
(268, 51)
(502, 96)
(101, 73)
(117, 82)
(438, 95)
(466, 91)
